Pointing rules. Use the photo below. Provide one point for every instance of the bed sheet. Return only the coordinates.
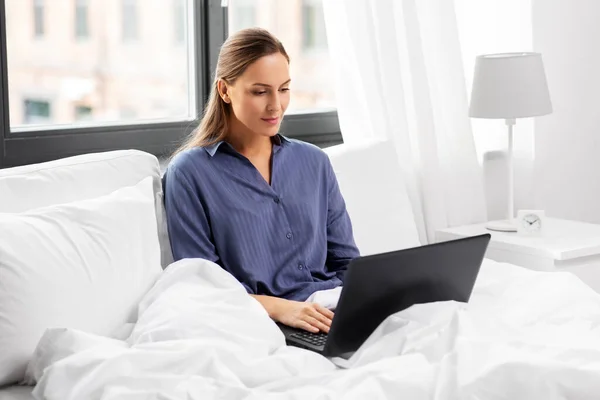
(523, 335)
(16, 393)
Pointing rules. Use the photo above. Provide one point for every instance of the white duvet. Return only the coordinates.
(523, 335)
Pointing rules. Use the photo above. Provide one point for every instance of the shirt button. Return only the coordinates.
(276, 200)
(288, 235)
(300, 266)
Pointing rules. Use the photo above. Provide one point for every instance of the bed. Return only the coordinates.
(17, 393)
(196, 334)
(524, 335)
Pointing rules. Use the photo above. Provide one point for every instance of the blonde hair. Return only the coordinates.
(237, 53)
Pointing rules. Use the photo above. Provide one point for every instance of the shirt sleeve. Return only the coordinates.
(189, 230)
(341, 248)
(188, 225)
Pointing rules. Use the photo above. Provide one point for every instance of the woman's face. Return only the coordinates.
(260, 96)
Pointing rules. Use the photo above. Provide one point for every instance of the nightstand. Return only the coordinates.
(563, 246)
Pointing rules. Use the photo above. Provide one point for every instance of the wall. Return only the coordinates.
(567, 148)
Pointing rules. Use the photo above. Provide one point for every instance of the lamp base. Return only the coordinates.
(501, 226)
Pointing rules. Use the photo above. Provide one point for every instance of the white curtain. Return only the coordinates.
(399, 77)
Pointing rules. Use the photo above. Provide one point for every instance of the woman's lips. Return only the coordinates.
(272, 121)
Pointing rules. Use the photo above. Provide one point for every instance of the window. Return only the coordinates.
(311, 87)
(104, 76)
(90, 86)
(83, 113)
(36, 111)
(64, 99)
(179, 21)
(38, 18)
(311, 115)
(81, 19)
(129, 20)
(313, 26)
(242, 14)
(127, 113)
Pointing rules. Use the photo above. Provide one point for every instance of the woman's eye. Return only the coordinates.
(285, 89)
(260, 93)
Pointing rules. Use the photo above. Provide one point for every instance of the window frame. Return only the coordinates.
(161, 139)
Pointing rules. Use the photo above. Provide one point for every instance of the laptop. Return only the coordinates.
(380, 285)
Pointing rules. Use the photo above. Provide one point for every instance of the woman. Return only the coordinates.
(265, 208)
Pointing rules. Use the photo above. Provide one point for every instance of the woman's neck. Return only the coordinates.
(249, 144)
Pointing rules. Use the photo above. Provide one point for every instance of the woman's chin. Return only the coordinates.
(269, 132)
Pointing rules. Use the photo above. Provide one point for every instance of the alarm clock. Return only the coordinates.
(530, 222)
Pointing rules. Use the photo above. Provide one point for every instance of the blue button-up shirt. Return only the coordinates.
(288, 239)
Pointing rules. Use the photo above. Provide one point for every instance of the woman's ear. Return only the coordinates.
(223, 90)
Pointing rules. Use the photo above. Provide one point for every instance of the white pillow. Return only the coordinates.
(83, 265)
(377, 202)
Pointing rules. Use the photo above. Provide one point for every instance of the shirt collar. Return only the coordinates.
(212, 149)
(278, 140)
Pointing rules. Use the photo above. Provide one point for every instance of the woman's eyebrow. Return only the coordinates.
(265, 85)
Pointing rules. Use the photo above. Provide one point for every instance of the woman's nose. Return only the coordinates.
(274, 103)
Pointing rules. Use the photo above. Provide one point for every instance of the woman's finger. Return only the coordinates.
(326, 312)
(318, 324)
(300, 324)
(322, 318)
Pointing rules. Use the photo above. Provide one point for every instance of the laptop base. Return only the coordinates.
(294, 337)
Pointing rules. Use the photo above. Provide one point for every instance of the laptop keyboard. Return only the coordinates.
(316, 339)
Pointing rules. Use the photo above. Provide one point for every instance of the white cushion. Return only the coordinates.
(82, 177)
(82, 265)
(375, 195)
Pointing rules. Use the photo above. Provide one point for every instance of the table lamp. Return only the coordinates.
(509, 86)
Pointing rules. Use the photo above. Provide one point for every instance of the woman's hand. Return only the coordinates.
(308, 316)
(297, 314)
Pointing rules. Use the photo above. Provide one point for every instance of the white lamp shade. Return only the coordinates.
(509, 85)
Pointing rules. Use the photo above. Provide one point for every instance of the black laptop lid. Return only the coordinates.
(380, 285)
